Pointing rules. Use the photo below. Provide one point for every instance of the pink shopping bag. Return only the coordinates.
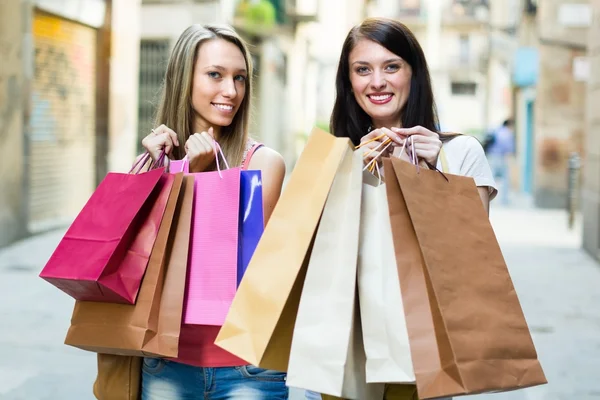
(213, 254)
(104, 253)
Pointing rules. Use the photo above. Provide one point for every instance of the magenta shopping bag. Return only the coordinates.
(213, 254)
(104, 253)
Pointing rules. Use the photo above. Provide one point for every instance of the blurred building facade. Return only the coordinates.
(66, 116)
(591, 173)
(560, 101)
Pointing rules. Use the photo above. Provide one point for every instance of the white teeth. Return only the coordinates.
(224, 107)
(382, 97)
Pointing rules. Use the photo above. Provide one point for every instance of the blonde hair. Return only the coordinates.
(175, 108)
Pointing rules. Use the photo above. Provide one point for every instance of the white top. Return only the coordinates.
(466, 157)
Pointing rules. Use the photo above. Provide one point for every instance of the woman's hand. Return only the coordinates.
(161, 138)
(372, 143)
(200, 150)
(426, 144)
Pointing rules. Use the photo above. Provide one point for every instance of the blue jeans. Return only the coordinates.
(168, 380)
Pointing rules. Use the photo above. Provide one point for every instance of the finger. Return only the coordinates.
(166, 141)
(423, 139)
(173, 136)
(415, 130)
(374, 135)
(391, 135)
(204, 145)
(207, 142)
(194, 146)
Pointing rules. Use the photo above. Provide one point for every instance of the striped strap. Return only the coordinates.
(443, 157)
(444, 160)
(250, 153)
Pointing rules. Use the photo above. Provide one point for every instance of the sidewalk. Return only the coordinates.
(557, 284)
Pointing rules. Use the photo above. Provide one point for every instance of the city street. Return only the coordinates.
(558, 285)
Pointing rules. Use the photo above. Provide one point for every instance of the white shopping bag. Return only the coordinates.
(327, 354)
(385, 334)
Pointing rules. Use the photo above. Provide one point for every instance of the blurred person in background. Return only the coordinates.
(383, 87)
(205, 97)
(500, 146)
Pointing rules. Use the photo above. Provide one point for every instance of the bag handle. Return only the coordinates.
(139, 164)
(217, 150)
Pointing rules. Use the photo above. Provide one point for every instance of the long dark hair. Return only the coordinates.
(348, 119)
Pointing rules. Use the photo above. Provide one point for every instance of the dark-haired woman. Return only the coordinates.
(383, 90)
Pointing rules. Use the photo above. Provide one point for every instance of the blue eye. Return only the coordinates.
(362, 70)
(214, 75)
(393, 67)
(240, 78)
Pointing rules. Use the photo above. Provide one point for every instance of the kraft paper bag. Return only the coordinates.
(119, 377)
(260, 322)
(319, 359)
(151, 326)
(467, 332)
(385, 334)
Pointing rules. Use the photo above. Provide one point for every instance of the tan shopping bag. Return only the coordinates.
(467, 331)
(260, 322)
(119, 377)
(320, 358)
(151, 326)
(385, 335)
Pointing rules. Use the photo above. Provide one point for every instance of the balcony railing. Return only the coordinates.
(466, 64)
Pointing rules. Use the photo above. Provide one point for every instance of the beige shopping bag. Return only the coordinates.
(385, 335)
(260, 322)
(321, 358)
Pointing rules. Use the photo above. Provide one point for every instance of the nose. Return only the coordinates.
(229, 89)
(378, 81)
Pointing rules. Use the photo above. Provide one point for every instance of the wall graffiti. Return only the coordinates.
(64, 86)
(62, 120)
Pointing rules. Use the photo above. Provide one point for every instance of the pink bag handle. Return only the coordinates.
(216, 147)
(139, 164)
(250, 153)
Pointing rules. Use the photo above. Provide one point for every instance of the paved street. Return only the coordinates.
(557, 283)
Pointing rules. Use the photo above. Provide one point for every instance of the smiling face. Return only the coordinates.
(380, 82)
(219, 85)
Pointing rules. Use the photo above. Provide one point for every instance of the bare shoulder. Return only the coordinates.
(267, 158)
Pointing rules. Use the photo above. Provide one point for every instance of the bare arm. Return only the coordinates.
(484, 193)
(272, 168)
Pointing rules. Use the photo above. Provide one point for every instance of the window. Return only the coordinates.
(464, 88)
(464, 49)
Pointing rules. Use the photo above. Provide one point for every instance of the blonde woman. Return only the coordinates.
(205, 96)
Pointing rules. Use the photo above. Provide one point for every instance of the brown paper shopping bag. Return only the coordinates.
(260, 322)
(320, 360)
(151, 326)
(467, 331)
(119, 377)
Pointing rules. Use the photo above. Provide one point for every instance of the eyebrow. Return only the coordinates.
(385, 62)
(220, 68)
